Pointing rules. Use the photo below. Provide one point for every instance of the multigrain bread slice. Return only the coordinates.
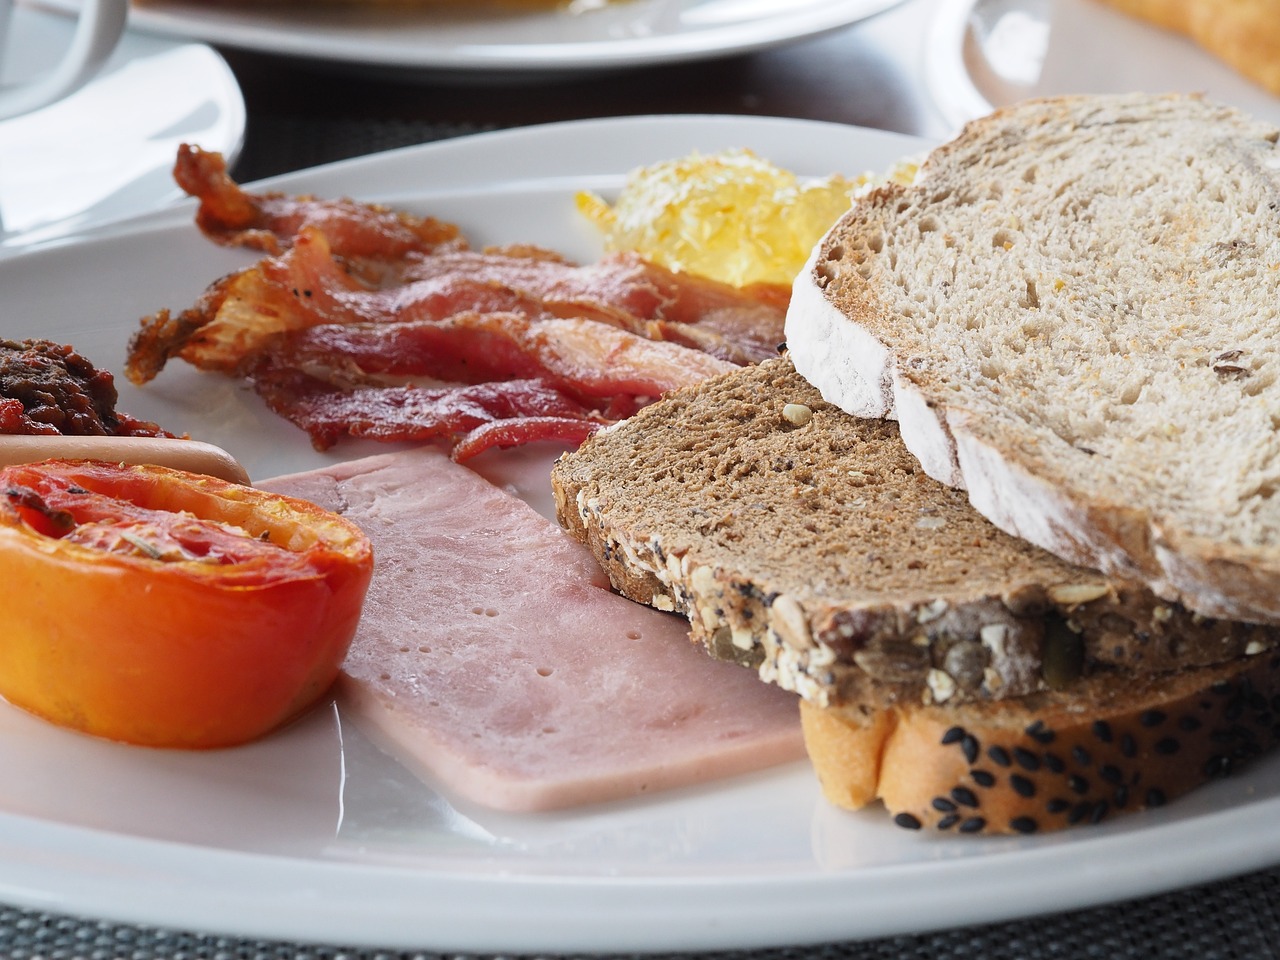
(1243, 33)
(1072, 314)
(1111, 743)
(809, 544)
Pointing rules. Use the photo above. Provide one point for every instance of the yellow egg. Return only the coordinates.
(731, 216)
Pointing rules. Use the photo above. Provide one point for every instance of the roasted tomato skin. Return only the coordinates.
(170, 652)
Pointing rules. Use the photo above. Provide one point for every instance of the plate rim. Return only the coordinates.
(609, 914)
(75, 869)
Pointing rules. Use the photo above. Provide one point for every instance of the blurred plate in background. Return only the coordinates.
(478, 38)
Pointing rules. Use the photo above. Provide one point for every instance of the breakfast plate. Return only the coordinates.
(106, 151)
(483, 37)
(991, 53)
(312, 834)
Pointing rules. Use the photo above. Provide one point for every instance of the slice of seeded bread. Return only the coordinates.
(809, 544)
(1113, 743)
(1072, 314)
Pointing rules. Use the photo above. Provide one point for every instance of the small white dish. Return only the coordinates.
(471, 38)
(313, 835)
(100, 25)
(106, 151)
(990, 53)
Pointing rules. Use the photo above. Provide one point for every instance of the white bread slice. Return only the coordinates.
(1073, 315)
(809, 544)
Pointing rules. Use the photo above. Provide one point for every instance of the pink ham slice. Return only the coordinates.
(493, 658)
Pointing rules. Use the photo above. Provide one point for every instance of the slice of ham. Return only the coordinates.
(493, 658)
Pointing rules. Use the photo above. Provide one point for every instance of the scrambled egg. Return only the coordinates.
(731, 216)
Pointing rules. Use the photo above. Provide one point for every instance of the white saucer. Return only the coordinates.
(106, 151)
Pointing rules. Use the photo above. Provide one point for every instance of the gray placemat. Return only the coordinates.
(1238, 919)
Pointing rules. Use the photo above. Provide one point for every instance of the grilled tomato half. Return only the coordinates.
(168, 609)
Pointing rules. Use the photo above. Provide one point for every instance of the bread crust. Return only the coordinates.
(1022, 450)
(1114, 744)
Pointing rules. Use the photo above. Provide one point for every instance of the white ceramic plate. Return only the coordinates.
(990, 53)
(314, 835)
(106, 151)
(586, 34)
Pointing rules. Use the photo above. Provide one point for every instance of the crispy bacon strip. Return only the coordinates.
(239, 316)
(516, 432)
(410, 413)
(580, 358)
(621, 290)
(354, 295)
(739, 325)
(269, 221)
(622, 287)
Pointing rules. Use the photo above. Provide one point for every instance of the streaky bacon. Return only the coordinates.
(741, 325)
(621, 290)
(231, 216)
(418, 414)
(516, 432)
(352, 295)
(424, 248)
(238, 316)
(580, 358)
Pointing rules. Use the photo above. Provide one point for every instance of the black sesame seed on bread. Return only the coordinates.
(1112, 743)
(1072, 313)
(809, 544)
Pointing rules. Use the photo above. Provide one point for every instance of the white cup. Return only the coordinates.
(97, 32)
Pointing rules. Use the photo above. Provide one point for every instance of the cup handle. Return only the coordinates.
(97, 32)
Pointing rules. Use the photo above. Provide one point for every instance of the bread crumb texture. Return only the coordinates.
(1088, 289)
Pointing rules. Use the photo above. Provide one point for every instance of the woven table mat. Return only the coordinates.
(1238, 919)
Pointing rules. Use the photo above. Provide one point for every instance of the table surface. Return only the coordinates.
(869, 74)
